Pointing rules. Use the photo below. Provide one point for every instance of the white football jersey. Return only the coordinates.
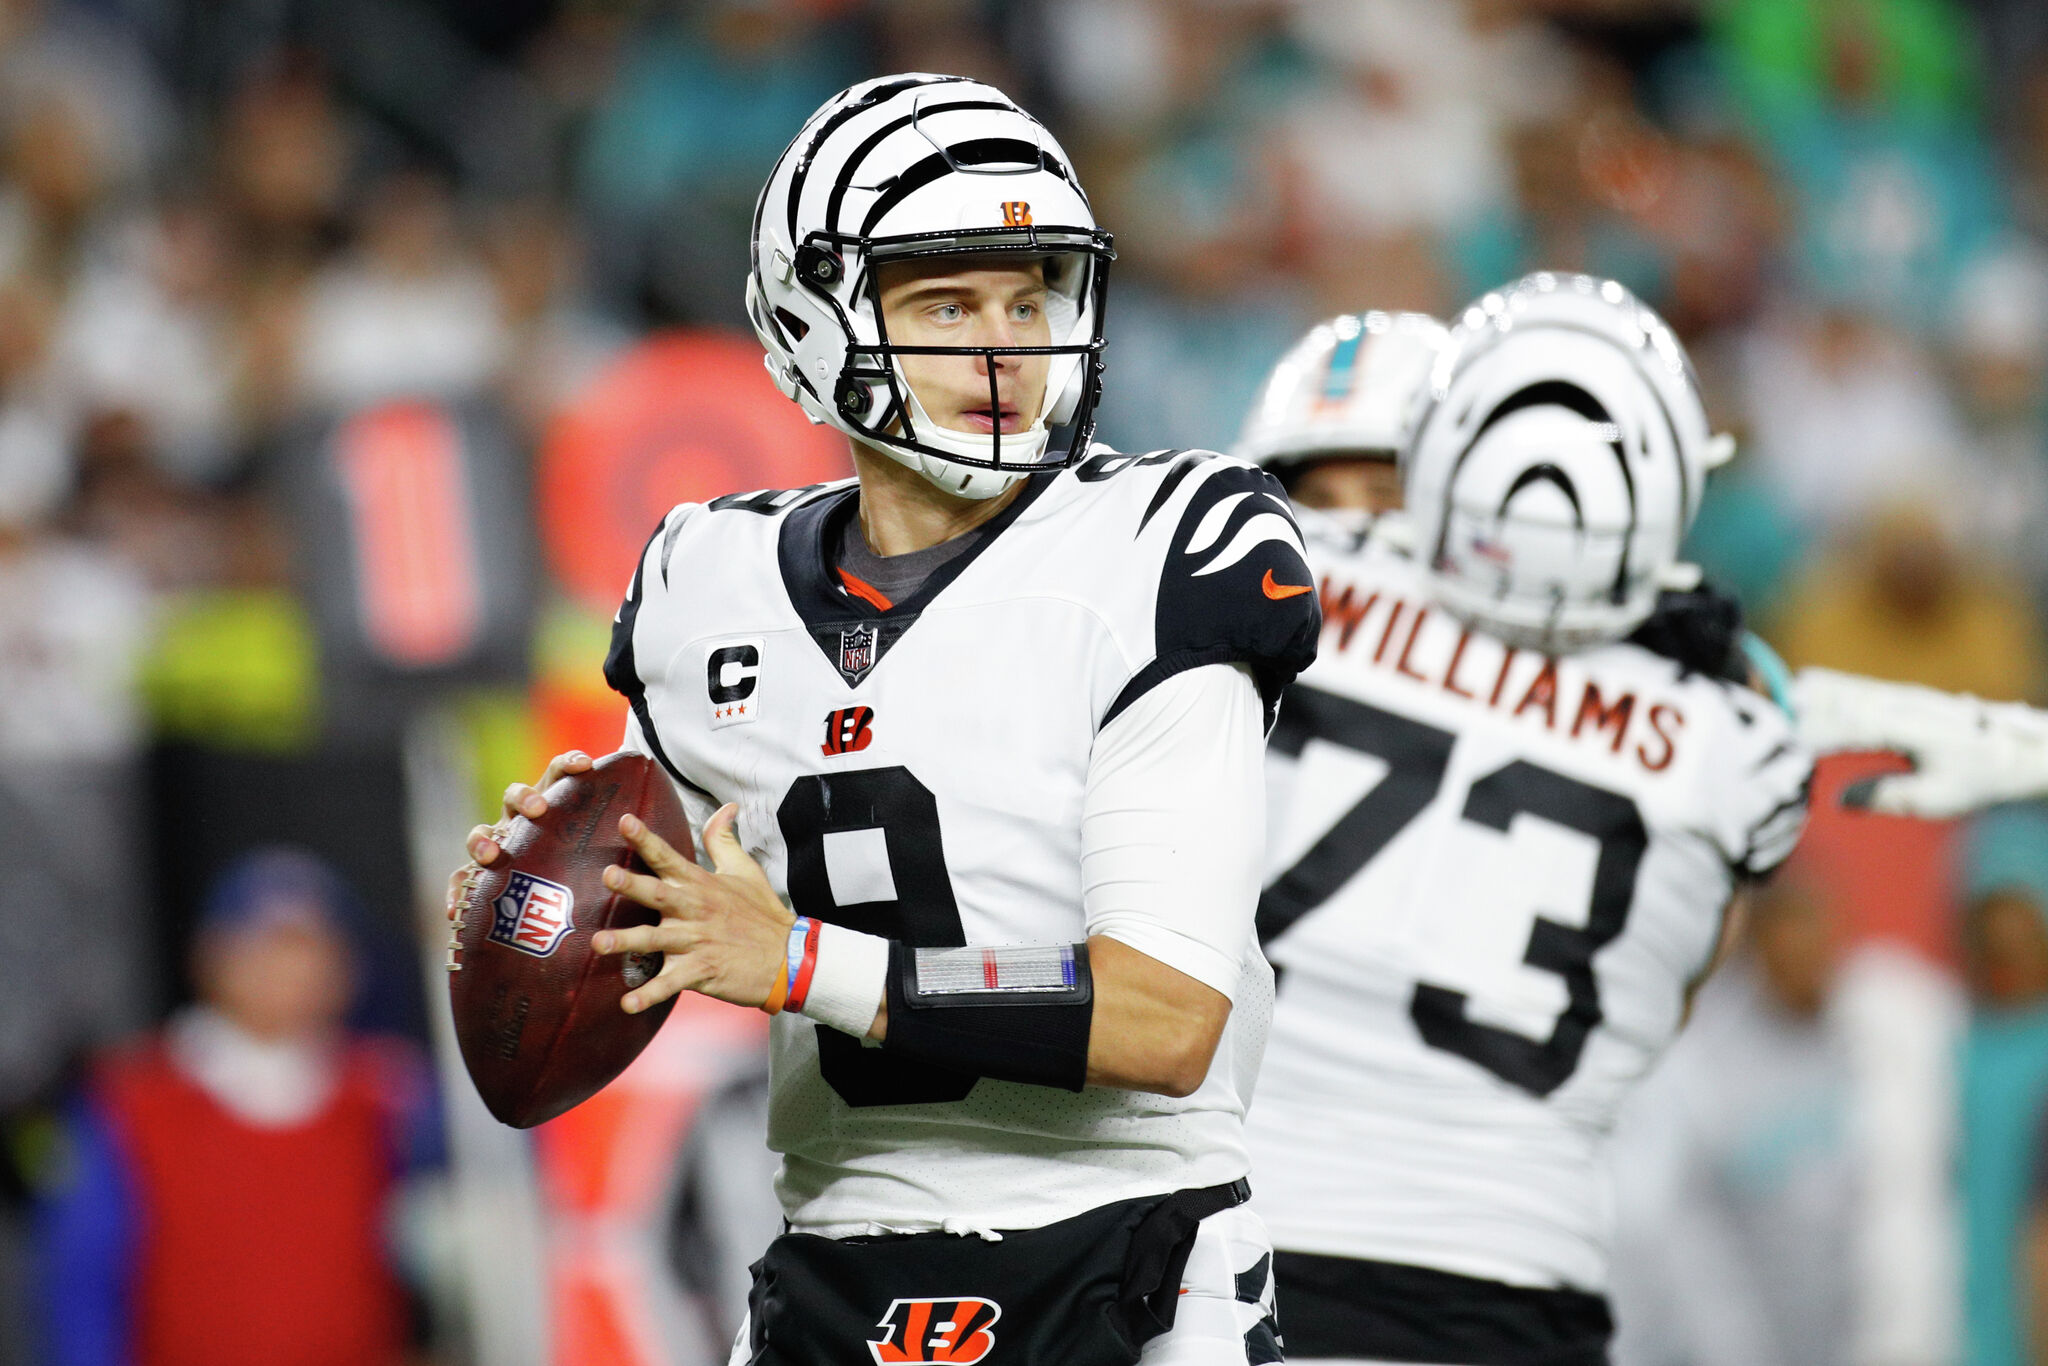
(919, 773)
(1493, 877)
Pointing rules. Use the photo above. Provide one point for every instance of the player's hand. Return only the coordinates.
(1967, 753)
(485, 842)
(724, 933)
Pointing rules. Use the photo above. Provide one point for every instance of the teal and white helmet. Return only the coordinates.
(1350, 387)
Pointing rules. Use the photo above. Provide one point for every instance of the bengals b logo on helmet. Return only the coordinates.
(954, 1331)
(1016, 213)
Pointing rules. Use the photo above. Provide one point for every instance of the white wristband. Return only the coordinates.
(849, 980)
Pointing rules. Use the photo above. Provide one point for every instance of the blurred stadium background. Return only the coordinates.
(349, 348)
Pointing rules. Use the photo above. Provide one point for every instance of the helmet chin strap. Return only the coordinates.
(967, 481)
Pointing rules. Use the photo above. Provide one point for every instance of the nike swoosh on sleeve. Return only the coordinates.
(1280, 591)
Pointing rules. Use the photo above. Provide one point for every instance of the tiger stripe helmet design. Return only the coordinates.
(911, 166)
(1557, 463)
(1350, 387)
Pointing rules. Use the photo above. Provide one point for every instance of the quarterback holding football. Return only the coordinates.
(974, 745)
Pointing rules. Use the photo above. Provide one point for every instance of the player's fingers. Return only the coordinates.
(482, 845)
(651, 892)
(722, 842)
(573, 761)
(677, 974)
(669, 937)
(458, 887)
(656, 852)
(522, 799)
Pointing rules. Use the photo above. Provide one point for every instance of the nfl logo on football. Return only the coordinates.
(856, 651)
(532, 915)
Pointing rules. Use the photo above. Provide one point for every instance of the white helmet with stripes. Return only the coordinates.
(924, 166)
(1350, 387)
(1558, 463)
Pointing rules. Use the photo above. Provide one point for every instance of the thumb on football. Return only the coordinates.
(722, 843)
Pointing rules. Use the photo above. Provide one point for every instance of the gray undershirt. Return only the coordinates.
(897, 577)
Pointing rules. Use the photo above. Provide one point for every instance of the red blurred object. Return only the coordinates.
(682, 417)
(401, 467)
(1890, 877)
(264, 1244)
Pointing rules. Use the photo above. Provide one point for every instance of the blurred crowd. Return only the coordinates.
(294, 295)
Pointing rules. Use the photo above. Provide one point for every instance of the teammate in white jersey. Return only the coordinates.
(1331, 420)
(1453, 1211)
(1509, 837)
(974, 743)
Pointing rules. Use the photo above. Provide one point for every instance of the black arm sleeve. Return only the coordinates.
(1036, 1037)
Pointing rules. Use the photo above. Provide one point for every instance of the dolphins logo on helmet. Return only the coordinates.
(1350, 387)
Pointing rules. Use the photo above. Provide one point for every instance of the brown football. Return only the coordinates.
(536, 1011)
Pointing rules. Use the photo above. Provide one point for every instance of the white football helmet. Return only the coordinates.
(1557, 463)
(922, 165)
(1347, 388)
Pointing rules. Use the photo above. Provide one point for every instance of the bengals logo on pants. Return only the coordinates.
(954, 1331)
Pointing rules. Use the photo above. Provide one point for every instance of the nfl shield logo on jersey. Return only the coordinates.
(856, 652)
(532, 915)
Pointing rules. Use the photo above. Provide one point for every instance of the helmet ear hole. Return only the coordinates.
(793, 327)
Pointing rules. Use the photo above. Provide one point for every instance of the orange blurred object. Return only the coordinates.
(604, 1166)
(682, 417)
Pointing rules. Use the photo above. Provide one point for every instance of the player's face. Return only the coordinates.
(1795, 948)
(283, 981)
(966, 302)
(2006, 945)
(1349, 483)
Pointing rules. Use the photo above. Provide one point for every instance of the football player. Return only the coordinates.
(1510, 838)
(1331, 420)
(974, 743)
(1514, 800)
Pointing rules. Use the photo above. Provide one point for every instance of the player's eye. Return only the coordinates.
(1024, 312)
(948, 313)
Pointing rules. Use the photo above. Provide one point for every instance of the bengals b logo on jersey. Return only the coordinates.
(954, 1331)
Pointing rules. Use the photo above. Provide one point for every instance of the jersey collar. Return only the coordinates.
(853, 633)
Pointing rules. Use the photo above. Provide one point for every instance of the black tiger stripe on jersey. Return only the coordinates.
(1235, 587)
(622, 669)
(1170, 484)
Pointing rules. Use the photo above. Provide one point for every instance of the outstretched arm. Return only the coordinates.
(1967, 753)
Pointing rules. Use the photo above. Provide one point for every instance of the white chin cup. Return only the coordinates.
(1025, 448)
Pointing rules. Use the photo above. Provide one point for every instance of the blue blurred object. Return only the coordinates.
(1887, 210)
(2004, 1087)
(1746, 542)
(2007, 847)
(279, 884)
